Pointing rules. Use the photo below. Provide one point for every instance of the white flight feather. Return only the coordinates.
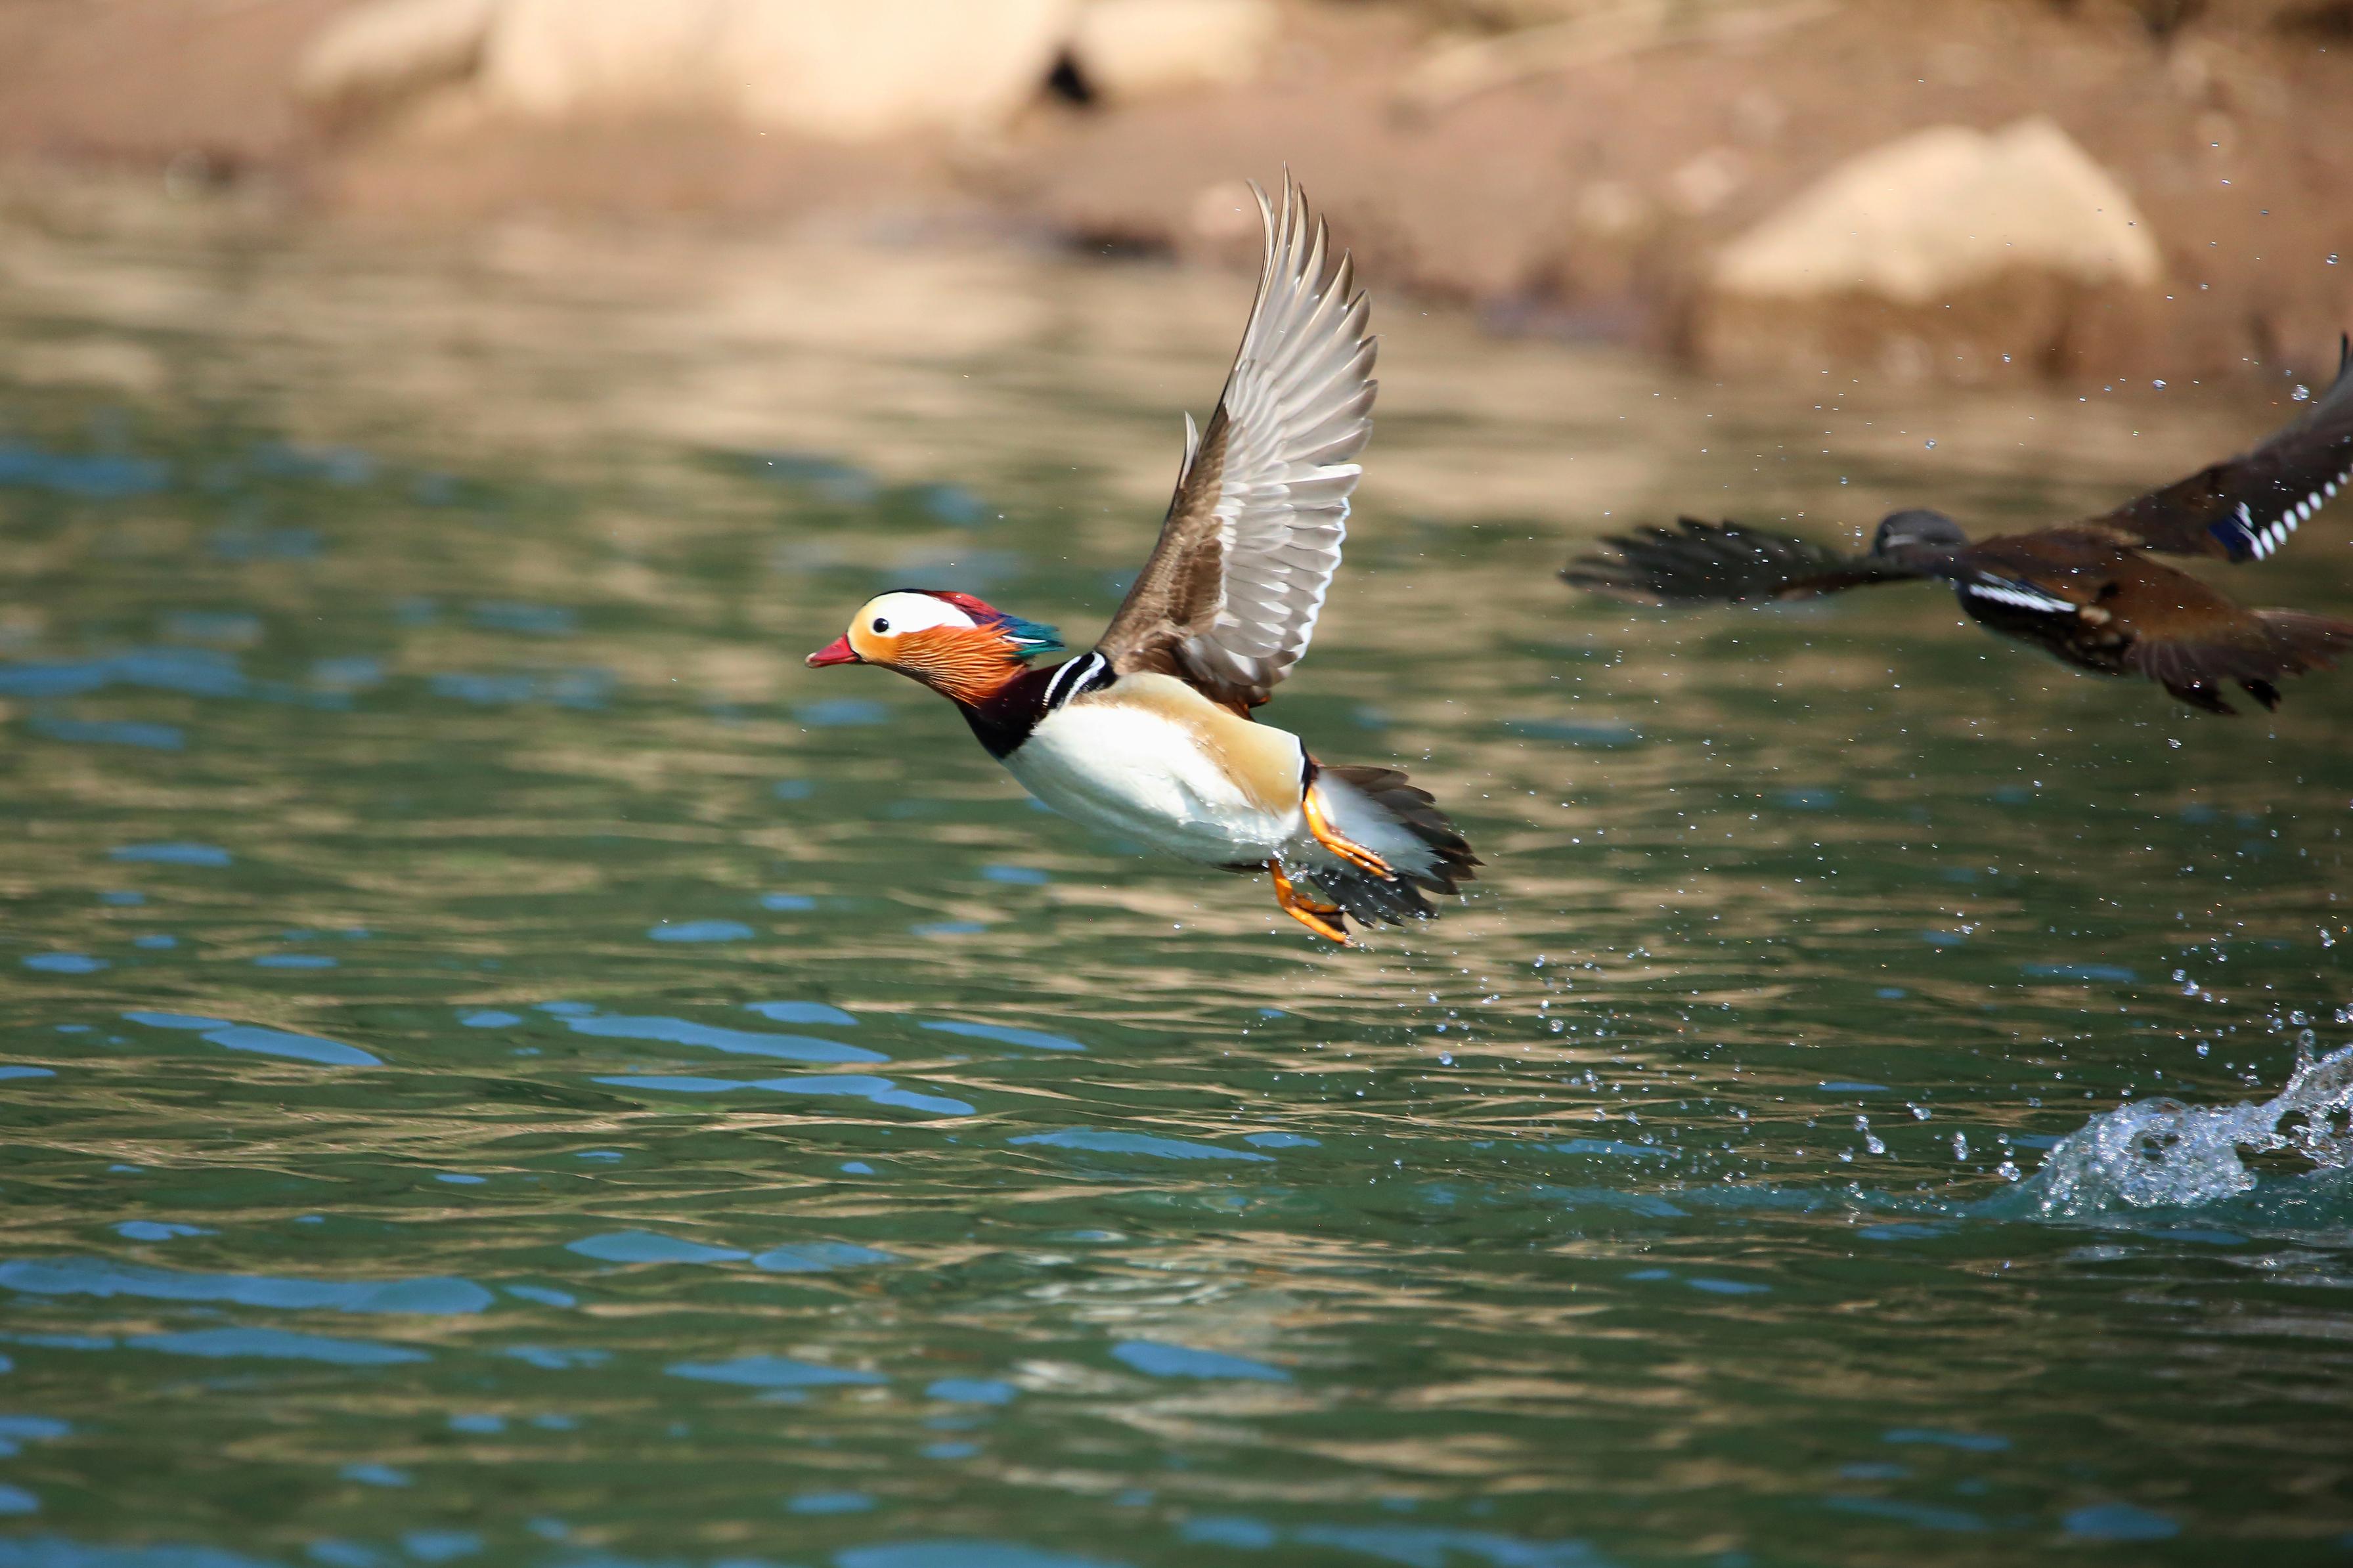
(1297, 410)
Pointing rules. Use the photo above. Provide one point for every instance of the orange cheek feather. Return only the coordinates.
(964, 664)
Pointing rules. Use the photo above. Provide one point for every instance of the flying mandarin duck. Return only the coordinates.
(2082, 591)
(1149, 735)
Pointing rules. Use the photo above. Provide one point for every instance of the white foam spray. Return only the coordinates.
(2163, 1153)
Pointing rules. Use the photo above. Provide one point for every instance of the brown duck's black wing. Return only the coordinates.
(2244, 509)
(1726, 564)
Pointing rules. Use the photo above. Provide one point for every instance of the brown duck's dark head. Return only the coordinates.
(1916, 527)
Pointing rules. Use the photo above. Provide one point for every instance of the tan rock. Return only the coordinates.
(1950, 255)
(857, 69)
(842, 69)
(1946, 209)
(1135, 49)
(557, 57)
(386, 50)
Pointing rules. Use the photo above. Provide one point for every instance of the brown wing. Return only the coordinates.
(2244, 509)
(1725, 563)
(1230, 598)
(2196, 651)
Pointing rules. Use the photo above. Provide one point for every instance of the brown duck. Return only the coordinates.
(2083, 591)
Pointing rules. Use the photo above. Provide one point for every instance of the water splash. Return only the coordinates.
(2164, 1154)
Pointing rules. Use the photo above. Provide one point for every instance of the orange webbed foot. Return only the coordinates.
(1346, 848)
(1323, 920)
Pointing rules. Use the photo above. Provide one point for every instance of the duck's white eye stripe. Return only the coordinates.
(902, 613)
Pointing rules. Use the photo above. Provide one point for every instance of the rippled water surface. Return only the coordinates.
(502, 1064)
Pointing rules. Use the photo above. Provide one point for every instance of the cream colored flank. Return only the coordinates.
(1152, 760)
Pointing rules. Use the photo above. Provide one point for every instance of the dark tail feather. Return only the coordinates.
(1374, 901)
(2307, 641)
(1395, 899)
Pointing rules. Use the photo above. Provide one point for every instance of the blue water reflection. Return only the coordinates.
(275, 1344)
(734, 1042)
(102, 1277)
(878, 1090)
(1157, 1360)
(774, 1371)
(261, 1041)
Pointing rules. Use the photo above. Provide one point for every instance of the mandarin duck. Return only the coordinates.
(2082, 591)
(1150, 735)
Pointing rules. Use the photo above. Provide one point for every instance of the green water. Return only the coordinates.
(505, 1066)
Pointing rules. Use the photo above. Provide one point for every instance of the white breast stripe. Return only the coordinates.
(2024, 597)
(1078, 675)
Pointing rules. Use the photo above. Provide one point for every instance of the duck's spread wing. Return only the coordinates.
(1726, 564)
(1230, 598)
(2244, 509)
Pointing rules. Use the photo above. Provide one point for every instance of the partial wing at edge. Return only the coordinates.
(2244, 509)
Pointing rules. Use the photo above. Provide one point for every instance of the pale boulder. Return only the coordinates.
(1950, 255)
(870, 68)
(379, 53)
(553, 58)
(1943, 210)
(1127, 49)
(841, 70)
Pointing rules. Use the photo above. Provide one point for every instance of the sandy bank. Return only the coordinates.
(1581, 200)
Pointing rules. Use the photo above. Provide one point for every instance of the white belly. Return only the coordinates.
(1136, 772)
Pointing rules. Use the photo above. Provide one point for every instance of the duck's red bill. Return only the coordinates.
(834, 653)
(837, 651)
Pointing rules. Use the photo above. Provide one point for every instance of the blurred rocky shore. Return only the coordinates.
(1963, 191)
